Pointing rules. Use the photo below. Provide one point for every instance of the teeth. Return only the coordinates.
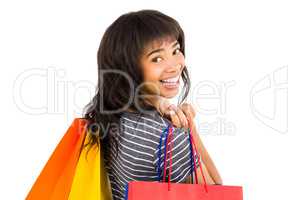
(171, 80)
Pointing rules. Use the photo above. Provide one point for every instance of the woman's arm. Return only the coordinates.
(207, 176)
(182, 116)
(209, 169)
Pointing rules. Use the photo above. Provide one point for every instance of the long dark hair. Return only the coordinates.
(120, 50)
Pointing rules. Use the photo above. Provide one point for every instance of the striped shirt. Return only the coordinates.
(137, 158)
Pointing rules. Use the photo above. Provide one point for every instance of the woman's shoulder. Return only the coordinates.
(150, 118)
(147, 124)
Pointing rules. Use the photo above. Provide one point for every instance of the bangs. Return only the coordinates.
(155, 29)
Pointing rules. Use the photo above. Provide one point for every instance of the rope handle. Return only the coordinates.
(168, 151)
(199, 160)
(168, 154)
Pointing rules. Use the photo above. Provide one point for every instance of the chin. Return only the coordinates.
(169, 95)
(169, 92)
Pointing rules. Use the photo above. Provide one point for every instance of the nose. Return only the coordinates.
(173, 67)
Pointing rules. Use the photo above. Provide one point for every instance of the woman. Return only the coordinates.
(140, 66)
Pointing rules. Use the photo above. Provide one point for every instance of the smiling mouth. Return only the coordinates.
(170, 83)
(171, 80)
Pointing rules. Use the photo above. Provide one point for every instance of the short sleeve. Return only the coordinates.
(181, 156)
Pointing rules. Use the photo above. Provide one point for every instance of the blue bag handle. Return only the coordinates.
(165, 134)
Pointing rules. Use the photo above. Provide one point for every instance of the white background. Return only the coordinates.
(243, 57)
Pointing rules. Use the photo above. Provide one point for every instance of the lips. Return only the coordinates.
(171, 80)
(171, 83)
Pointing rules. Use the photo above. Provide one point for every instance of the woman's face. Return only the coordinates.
(162, 64)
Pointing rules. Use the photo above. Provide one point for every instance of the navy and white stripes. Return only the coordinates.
(138, 147)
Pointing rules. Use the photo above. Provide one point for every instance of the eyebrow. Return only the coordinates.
(159, 50)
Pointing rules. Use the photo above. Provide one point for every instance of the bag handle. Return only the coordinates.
(168, 150)
(194, 149)
(164, 133)
(168, 139)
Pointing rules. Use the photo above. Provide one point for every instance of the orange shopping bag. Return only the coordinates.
(90, 179)
(55, 180)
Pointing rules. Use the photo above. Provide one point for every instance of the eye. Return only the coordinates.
(156, 59)
(176, 51)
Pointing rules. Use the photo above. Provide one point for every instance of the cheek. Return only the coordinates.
(152, 76)
(152, 72)
(181, 60)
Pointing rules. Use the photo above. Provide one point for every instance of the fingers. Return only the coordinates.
(175, 119)
(164, 107)
(178, 117)
(182, 117)
(189, 111)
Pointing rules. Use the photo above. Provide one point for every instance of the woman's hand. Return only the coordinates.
(180, 116)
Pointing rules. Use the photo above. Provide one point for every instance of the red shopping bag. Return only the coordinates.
(137, 190)
(55, 180)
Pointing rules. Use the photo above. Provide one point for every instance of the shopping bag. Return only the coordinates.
(90, 180)
(105, 187)
(55, 180)
(71, 173)
(137, 190)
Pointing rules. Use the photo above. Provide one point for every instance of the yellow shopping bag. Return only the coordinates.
(90, 180)
(71, 173)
